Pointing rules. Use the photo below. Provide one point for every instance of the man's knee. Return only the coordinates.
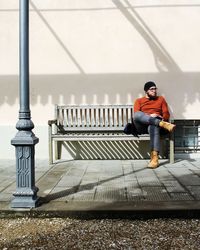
(138, 115)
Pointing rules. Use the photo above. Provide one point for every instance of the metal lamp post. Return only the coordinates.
(25, 195)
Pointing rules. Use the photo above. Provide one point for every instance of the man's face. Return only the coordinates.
(152, 92)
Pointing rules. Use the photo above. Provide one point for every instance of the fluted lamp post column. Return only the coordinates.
(25, 195)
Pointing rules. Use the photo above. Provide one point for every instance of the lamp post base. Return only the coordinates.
(26, 192)
(22, 200)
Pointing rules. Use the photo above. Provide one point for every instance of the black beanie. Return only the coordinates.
(148, 85)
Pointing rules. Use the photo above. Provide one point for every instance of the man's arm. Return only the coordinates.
(136, 106)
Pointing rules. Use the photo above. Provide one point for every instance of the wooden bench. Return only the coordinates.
(92, 123)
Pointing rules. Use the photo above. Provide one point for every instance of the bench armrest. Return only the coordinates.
(50, 122)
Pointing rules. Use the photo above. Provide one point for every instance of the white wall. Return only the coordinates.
(103, 51)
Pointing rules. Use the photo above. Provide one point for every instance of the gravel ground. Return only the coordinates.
(67, 233)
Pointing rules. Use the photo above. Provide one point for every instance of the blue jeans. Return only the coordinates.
(146, 124)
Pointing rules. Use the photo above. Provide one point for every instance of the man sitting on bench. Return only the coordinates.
(151, 114)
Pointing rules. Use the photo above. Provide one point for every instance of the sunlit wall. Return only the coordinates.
(96, 52)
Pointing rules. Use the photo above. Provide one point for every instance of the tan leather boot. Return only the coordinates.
(154, 160)
(168, 126)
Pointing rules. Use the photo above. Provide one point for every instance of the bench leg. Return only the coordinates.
(50, 149)
(50, 153)
(58, 150)
(171, 148)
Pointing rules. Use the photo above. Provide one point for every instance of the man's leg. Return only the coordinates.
(140, 117)
(143, 118)
(146, 121)
(154, 133)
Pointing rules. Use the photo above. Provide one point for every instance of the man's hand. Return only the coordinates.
(155, 115)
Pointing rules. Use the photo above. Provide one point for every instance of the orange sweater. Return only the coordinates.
(157, 106)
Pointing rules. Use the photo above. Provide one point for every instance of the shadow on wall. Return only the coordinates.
(118, 88)
(180, 89)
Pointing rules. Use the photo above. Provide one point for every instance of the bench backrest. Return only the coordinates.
(93, 117)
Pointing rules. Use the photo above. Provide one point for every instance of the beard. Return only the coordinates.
(152, 97)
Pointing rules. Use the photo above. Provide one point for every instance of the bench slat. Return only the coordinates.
(78, 117)
(104, 137)
(94, 129)
(124, 118)
(120, 122)
(92, 118)
(106, 114)
(68, 117)
(111, 123)
(87, 117)
(74, 118)
(83, 117)
(101, 118)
